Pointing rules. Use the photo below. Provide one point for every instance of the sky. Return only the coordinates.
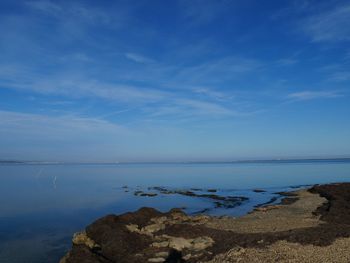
(174, 80)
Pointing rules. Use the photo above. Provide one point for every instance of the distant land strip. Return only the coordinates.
(280, 160)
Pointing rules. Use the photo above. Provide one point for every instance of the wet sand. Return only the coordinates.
(311, 226)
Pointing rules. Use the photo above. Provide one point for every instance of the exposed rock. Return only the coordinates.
(180, 243)
(153, 228)
(159, 220)
(156, 259)
(160, 244)
(81, 238)
(151, 236)
(133, 228)
(202, 243)
(162, 254)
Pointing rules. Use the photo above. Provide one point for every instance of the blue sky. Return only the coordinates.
(174, 80)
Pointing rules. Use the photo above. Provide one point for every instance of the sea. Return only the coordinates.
(42, 205)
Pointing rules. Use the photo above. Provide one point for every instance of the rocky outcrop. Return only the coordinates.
(151, 236)
(142, 236)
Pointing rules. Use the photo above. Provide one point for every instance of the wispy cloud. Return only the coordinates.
(218, 70)
(212, 93)
(54, 127)
(81, 87)
(67, 137)
(190, 108)
(138, 58)
(311, 95)
(331, 25)
(45, 6)
(205, 101)
(203, 107)
(340, 76)
(63, 11)
(81, 57)
(338, 71)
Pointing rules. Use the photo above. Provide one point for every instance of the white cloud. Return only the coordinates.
(204, 107)
(82, 57)
(80, 87)
(332, 25)
(189, 108)
(341, 76)
(138, 58)
(45, 6)
(123, 93)
(310, 95)
(212, 103)
(217, 70)
(61, 127)
(69, 11)
(211, 93)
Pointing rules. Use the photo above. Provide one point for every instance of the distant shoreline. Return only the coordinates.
(257, 161)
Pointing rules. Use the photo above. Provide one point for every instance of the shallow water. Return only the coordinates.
(43, 205)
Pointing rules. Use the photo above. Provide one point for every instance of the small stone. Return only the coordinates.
(133, 228)
(156, 260)
(200, 218)
(201, 243)
(179, 243)
(159, 220)
(162, 254)
(81, 238)
(197, 255)
(160, 244)
(236, 251)
(153, 228)
(179, 217)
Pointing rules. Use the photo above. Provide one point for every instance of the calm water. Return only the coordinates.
(43, 205)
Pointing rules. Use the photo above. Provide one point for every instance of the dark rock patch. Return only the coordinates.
(174, 257)
(272, 200)
(141, 193)
(219, 201)
(337, 209)
(289, 200)
(300, 186)
(259, 191)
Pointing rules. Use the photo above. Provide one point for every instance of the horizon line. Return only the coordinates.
(252, 160)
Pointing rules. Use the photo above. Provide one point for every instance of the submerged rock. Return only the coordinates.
(259, 191)
(219, 201)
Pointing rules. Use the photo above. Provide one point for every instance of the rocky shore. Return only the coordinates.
(308, 226)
